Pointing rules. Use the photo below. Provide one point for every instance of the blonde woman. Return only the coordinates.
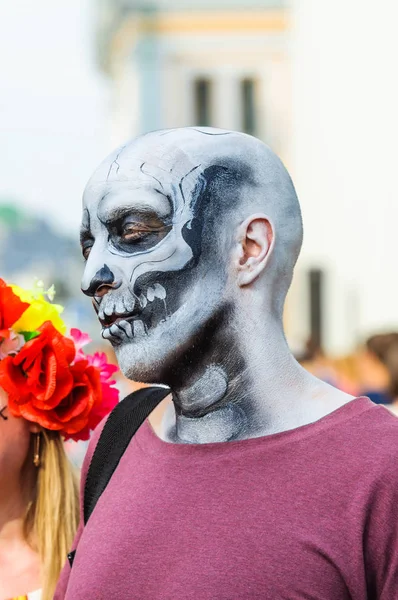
(49, 390)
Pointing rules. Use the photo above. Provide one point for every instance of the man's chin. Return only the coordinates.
(138, 363)
(155, 355)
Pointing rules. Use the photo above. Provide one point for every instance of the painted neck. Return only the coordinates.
(207, 410)
(235, 391)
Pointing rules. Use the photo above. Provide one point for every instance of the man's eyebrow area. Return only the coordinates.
(139, 212)
(85, 234)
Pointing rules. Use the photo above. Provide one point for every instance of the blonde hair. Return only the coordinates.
(52, 514)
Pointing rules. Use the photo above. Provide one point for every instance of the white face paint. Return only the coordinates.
(160, 221)
(142, 238)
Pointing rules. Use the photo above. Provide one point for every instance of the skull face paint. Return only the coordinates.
(151, 264)
(190, 238)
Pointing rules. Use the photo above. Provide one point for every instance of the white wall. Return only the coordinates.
(343, 157)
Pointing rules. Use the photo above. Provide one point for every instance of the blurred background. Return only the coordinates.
(314, 79)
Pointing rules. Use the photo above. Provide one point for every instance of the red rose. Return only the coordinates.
(80, 411)
(44, 386)
(39, 376)
(11, 308)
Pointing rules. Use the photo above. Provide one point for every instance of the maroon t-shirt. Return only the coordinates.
(310, 513)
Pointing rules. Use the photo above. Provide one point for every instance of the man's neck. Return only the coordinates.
(238, 398)
(207, 409)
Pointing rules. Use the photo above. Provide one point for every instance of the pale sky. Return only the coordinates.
(53, 106)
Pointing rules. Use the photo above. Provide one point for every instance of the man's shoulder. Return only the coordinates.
(376, 422)
(371, 435)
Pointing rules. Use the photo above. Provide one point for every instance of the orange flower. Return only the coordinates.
(44, 386)
(11, 308)
(47, 377)
(38, 378)
(82, 410)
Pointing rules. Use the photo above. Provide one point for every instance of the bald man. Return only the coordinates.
(264, 482)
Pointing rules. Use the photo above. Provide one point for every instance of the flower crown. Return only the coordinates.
(48, 378)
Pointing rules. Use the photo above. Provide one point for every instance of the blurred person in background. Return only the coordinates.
(371, 371)
(377, 368)
(49, 390)
(332, 371)
(385, 348)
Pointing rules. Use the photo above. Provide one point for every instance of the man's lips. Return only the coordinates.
(128, 312)
(109, 320)
(115, 318)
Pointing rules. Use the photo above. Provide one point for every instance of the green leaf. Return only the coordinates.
(30, 335)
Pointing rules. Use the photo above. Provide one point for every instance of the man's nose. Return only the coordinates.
(102, 282)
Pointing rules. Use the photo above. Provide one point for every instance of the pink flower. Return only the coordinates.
(80, 340)
(110, 394)
(11, 344)
(100, 361)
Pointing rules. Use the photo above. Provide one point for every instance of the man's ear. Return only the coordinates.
(256, 239)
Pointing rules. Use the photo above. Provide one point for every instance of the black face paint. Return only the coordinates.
(86, 237)
(164, 213)
(3, 415)
(160, 230)
(132, 231)
(103, 277)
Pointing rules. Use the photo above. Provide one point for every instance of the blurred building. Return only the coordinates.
(272, 69)
(201, 62)
(219, 63)
(343, 160)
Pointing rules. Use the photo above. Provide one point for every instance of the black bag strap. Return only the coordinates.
(118, 431)
(123, 422)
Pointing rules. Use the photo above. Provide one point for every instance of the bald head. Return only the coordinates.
(160, 210)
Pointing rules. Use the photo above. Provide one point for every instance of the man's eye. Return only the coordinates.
(132, 233)
(86, 251)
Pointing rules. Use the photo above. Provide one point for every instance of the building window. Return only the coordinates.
(248, 103)
(316, 288)
(203, 101)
